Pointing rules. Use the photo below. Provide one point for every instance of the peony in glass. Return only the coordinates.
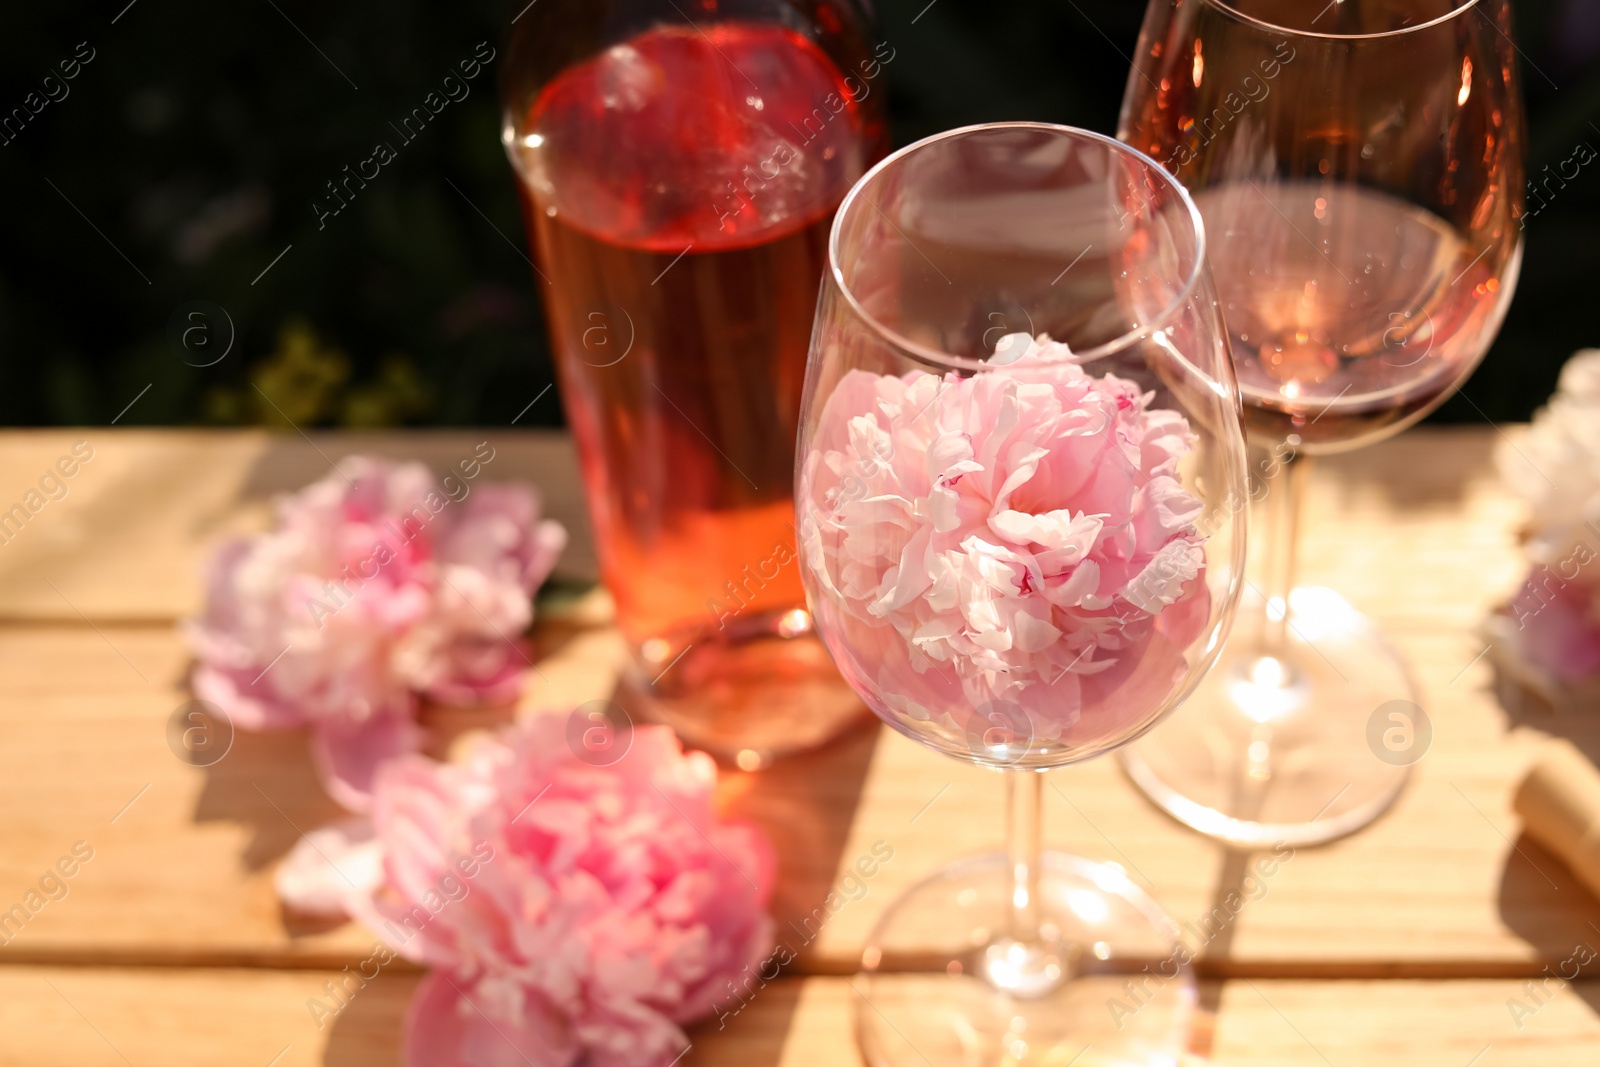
(1020, 481)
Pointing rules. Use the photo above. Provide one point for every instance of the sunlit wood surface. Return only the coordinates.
(1399, 945)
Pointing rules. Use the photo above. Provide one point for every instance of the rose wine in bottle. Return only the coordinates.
(680, 187)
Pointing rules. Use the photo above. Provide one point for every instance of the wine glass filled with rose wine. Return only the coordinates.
(1359, 168)
(1018, 443)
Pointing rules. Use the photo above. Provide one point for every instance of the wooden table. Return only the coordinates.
(1401, 945)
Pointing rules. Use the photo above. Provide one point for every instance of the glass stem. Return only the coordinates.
(1281, 537)
(1024, 802)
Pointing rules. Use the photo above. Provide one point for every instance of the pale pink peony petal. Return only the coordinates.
(1559, 627)
(230, 690)
(348, 753)
(331, 871)
(445, 1029)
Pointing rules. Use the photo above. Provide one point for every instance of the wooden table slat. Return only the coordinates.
(171, 939)
(110, 1017)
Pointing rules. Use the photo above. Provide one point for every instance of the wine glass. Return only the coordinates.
(1018, 454)
(1359, 168)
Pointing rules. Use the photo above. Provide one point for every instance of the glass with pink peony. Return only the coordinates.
(1017, 478)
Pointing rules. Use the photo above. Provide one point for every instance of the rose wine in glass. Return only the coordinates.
(679, 183)
(1358, 330)
(1359, 169)
(1019, 439)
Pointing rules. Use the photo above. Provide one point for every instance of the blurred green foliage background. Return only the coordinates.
(187, 153)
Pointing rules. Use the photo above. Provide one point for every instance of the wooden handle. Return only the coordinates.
(1559, 803)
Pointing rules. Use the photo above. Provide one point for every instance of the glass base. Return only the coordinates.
(748, 694)
(1298, 748)
(943, 984)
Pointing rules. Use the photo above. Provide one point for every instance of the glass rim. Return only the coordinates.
(1227, 8)
(953, 362)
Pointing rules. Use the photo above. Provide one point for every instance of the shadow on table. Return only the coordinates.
(753, 1037)
(1588, 992)
(368, 1033)
(1209, 935)
(1524, 707)
(1214, 941)
(267, 783)
(1545, 904)
(1539, 897)
(806, 804)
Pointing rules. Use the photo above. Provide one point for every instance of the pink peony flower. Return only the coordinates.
(1017, 539)
(375, 587)
(572, 913)
(1560, 624)
(1556, 469)
(1549, 634)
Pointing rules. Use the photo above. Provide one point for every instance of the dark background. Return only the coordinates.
(198, 136)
